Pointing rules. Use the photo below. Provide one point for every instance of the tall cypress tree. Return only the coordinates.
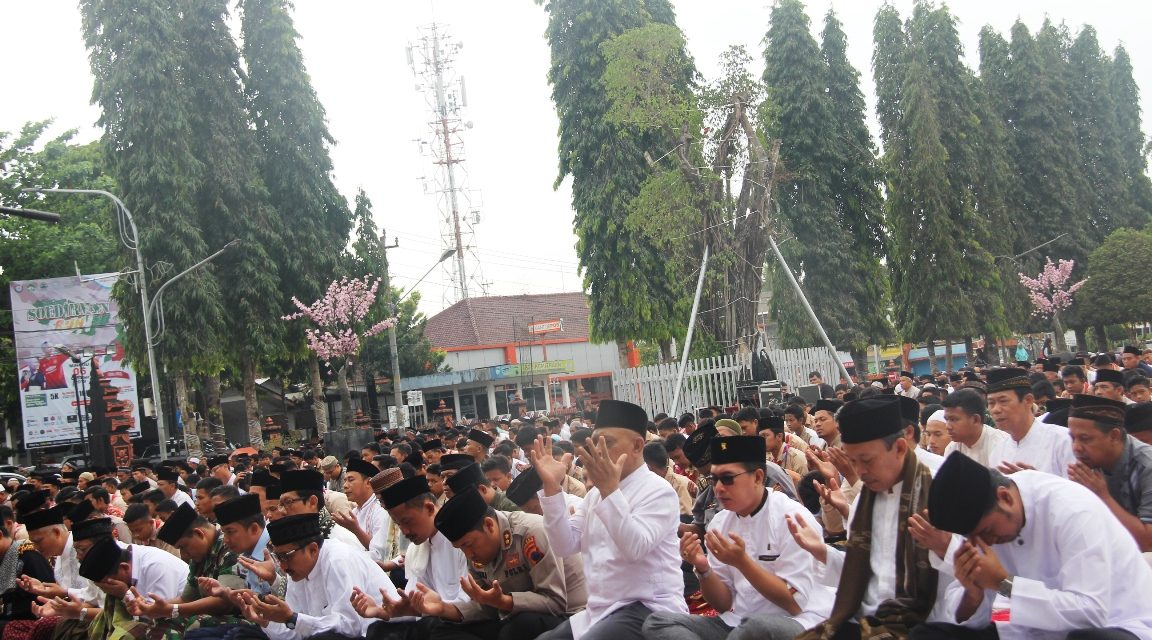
(1097, 136)
(137, 56)
(231, 197)
(888, 60)
(292, 134)
(1126, 100)
(794, 75)
(943, 207)
(855, 185)
(977, 199)
(629, 295)
(824, 200)
(924, 257)
(1051, 199)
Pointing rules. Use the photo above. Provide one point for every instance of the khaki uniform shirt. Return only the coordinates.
(528, 570)
(680, 484)
(791, 459)
(573, 486)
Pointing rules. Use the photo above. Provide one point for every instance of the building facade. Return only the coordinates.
(513, 354)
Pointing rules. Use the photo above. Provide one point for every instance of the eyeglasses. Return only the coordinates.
(284, 556)
(726, 480)
(288, 502)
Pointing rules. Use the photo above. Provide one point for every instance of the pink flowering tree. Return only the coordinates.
(340, 323)
(1050, 294)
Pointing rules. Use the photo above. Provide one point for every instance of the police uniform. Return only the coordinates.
(544, 588)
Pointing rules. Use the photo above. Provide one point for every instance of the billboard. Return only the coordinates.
(66, 329)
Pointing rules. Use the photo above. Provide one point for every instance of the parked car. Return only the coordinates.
(5, 476)
(79, 461)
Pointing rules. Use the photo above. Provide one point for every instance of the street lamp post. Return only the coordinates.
(399, 396)
(130, 237)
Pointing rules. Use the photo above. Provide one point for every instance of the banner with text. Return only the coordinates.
(66, 330)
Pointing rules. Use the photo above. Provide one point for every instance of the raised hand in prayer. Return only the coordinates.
(44, 607)
(1092, 479)
(977, 565)
(818, 461)
(212, 587)
(366, 607)
(347, 520)
(550, 469)
(1008, 468)
(602, 470)
(730, 550)
(249, 611)
(426, 601)
(270, 608)
(693, 552)
(152, 607)
(831, 494)
(927, 536)
(40, 588)
(264, 569)
(840, 460)
(493, 597)
(808, 538)
(115, 588)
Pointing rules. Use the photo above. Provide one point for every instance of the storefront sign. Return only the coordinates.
(532, 369)
(545, 326)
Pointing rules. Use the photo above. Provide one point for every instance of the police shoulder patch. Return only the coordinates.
(532, 552)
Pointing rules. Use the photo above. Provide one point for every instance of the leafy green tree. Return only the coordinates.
(1126, 100)
(313, 218)
(855, 187)
(30, 249)
(713, 189)
(370, 258)
(976, 159)
(1109, 196)
(629, 294)
(940, 228)
(1051, 199)
(231, 199)
(824, 251)
(1112, 295)
(138, 57)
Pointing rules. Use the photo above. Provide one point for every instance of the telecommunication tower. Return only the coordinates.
(431, 58)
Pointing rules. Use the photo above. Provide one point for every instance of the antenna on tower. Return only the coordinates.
(431, 58)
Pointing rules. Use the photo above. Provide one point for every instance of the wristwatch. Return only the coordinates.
(291, 622)
(1005, 588)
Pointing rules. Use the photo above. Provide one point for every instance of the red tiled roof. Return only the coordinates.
(498, 320)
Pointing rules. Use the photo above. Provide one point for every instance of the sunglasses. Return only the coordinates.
(726, 480)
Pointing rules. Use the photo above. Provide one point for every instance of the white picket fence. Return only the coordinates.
(794, 365)
(712, 381)
(707, 382)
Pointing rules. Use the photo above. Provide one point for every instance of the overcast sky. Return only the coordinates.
(355, 53)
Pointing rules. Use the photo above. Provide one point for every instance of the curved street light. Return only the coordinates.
(130, 238)
(401, 407)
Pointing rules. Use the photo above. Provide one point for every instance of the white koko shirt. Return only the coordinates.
(1046, 447)
(768, 542)
(628, 542)
(1074, 566)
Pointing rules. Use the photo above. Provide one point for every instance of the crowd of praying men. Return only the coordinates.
(981, 504)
